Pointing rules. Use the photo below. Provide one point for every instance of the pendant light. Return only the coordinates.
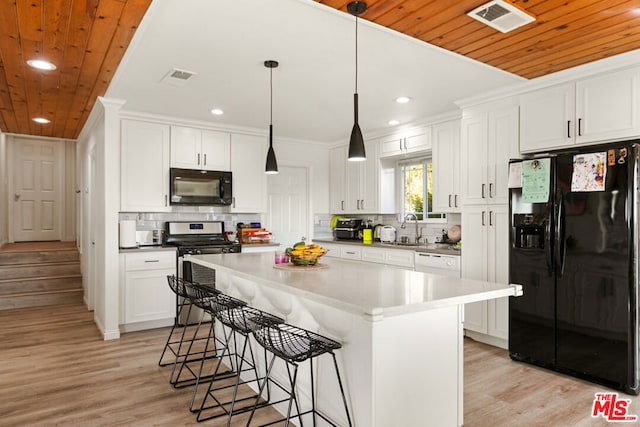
(356, 143)
(272, 164)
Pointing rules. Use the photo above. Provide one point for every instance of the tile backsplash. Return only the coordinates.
(157, 220)
(431, 231)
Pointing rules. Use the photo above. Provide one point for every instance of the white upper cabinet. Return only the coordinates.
(446, 167)
(487, 140)
(248, 156)
(414, 142)
(193, 148)
(546, 118)
(596, 109)
(144, 167)
(354, 186)
(607, 106)
(337, 179)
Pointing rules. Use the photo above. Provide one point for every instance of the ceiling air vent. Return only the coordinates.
(501, 15)
(177, 77)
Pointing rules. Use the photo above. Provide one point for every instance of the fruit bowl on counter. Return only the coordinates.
(305, 255)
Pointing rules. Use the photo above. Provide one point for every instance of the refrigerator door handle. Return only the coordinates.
(548, 250)
(560, 242)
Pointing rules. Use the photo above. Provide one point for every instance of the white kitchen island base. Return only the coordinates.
(402, 354)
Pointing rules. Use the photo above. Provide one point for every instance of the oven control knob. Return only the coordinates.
(225, 250)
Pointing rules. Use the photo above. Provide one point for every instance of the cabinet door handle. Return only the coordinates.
(483, 215)
(568, 128)
(358, 204)
(579, 127)
(341, 204)
(455, 200)
(349, 253)
(166, 199)
(405, 143)
(484, 186)
(151, 260)
(234, 201)
(449, 200)
(198, 158)
(490, 190)
(491, 218)
(205, 159)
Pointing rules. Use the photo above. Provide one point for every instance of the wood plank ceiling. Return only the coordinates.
(86, 39)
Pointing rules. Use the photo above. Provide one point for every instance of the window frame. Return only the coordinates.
(400, 165)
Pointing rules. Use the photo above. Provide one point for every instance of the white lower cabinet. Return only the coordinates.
(486, 257)
(396, 257)
(146, 295)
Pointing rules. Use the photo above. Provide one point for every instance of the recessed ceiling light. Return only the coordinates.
(403, 99)
(217, 112)
(41, 64)
(41, 120)
(394, 122)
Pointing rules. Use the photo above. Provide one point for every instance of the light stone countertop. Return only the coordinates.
(147, 249)
(371, 290)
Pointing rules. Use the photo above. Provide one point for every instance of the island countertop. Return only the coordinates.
(369, 290)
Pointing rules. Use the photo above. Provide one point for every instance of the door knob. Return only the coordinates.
(16, 197)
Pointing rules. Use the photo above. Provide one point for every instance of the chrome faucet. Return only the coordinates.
(415, 219)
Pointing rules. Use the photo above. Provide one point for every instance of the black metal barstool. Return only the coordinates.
(209, 301)
(180, 346)
(295, 345)
(241, 321)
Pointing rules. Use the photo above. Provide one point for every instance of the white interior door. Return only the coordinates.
(37, 189)
(288, 214)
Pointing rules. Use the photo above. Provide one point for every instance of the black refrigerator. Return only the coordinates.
(574, 241)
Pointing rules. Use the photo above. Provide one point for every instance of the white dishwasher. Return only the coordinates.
(447, 265)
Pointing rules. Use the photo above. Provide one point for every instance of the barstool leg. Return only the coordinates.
(204, 357)
(344, 399)
(292, 395)
(186, 356)
(260, 389)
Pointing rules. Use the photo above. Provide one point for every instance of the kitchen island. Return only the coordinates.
(402, 354)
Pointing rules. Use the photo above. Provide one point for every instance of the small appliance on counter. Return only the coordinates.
(348, 229)
(149, 237)
(387, 234)
(127, 229)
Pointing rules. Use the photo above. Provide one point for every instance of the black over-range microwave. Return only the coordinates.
(200, 187)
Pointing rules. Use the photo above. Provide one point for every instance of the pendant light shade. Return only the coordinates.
(356, 142)
(271, 166)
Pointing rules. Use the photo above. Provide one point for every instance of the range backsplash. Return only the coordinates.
(157, 220)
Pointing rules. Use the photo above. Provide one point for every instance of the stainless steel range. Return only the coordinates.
(196, 238)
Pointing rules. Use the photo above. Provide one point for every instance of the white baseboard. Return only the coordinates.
(151, 324)
(487, 339)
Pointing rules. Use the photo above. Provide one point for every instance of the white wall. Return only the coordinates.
(100, 227)
(3, 189)
(316, 157)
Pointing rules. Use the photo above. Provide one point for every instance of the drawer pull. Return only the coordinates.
(151, 260)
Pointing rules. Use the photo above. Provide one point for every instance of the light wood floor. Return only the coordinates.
(56, 370)
(36, 246)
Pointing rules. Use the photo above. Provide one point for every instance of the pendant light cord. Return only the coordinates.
(356, 53)
(271, 96)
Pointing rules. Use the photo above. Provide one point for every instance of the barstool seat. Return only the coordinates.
(294, 345)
